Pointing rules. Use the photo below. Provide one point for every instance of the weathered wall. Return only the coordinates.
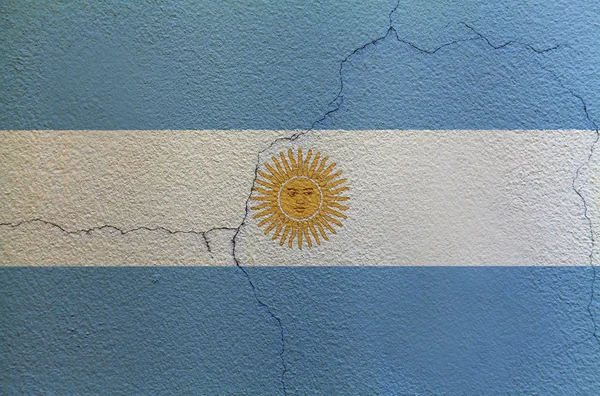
(108, 198)
(130, 136)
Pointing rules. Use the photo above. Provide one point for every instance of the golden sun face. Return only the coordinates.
(299, 199)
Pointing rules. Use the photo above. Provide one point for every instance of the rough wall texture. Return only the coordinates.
(473, 193)
(106, 198)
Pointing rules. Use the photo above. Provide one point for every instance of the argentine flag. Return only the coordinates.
(299, 198)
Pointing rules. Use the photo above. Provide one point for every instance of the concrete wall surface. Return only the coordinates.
(346, 198)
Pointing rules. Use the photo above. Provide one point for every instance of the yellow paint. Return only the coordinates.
(299, 199)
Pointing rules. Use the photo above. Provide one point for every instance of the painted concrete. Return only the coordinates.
(110, 198)
(152, 66)
(347, 330)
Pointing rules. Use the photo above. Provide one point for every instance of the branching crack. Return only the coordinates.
(207, 243)
(122, 231)
(335, 105)
(272, 314)
(238, 264)
(577, 175)
(513, 43)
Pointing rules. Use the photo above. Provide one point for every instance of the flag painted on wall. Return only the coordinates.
(208, 200)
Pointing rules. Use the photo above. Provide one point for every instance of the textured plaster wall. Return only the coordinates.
(125, 197)
(106, 198)
(245, 328)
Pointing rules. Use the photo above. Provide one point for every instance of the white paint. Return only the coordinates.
(417, 197)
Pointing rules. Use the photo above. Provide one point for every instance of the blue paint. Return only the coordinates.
(135, 65)
(477, 330)
(247, 65)
(466, 85)
(134, 331)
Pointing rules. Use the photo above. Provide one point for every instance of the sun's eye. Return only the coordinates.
(278, 192)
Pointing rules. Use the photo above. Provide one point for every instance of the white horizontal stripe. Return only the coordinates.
(417, 197)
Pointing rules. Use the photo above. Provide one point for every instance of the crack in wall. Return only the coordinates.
(238, 264)
(207, 243)
(338, 100)
(332, 107)
(577, 175)
(335, 105)
(121, 231)
(578, 191)
(513, 42)
(271, 313)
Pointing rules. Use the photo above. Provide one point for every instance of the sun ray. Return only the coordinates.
(293, 236)
(337, 206)
(270, 178)
(323, 174)
(306, 163)
(271, 199)
(293, 162)
(306, 236)
(262, 206)
(336, 183)
(268, 219)
(286, 231)
(300, 162)
(265, 212)
(288, 170)
(266, 184)
(314, 164)
(311, 226)
(320, 168)
(280, 169)
(300, 236)
(278, 230)
(263, 191)
(298, 198)
(275, 173)
(326, 224)
(321, 230)
(337, 191)
(271, 217)
(334, 213)
(272, 225)
(330, 219)
(329, 198)
(332, 177)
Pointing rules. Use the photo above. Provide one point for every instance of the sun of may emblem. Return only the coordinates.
(300, 198)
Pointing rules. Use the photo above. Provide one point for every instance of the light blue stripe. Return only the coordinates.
(399, 330)
(194, 65)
